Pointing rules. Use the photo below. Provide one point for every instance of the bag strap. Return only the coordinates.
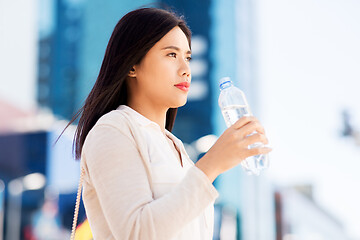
(77, 204)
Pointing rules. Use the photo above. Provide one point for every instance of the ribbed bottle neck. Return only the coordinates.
(226, 84)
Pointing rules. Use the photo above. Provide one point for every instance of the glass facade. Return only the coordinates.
(58, 69)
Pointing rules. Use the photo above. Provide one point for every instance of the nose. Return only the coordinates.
(184, 69)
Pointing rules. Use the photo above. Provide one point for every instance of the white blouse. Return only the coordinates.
(135, 186)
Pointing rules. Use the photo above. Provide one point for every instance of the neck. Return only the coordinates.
(155, 114)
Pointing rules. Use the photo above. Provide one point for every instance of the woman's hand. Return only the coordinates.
(232, 147)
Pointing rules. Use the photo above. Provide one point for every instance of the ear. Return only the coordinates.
(132, 72)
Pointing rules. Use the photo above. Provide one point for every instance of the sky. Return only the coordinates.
(308, 63)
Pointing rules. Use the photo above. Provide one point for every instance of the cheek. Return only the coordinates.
(159, 73)
(151, 68)
(163, 70)
(153, 84)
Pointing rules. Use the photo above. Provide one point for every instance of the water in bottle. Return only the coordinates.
(233, 106)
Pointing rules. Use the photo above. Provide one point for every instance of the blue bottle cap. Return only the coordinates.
(224, 80)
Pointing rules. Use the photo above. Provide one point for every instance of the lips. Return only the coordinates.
(183, 86)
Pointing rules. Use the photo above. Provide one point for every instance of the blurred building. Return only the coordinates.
(59, 57)
(299, 217)
(22, 154)
(2, 206)
(27, 147)
(11, 116)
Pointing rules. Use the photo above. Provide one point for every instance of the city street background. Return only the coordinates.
(297, 62)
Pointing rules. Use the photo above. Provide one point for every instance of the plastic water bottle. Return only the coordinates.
(233, 106)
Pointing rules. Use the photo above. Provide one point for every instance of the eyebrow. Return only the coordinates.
(175, 48)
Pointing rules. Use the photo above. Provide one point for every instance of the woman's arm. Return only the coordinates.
(117, 172)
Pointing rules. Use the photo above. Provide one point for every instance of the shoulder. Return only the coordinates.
(109, 143)
(114, 118)
(111, 128)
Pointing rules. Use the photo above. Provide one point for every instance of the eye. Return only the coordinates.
(188, 59)
(172, 55)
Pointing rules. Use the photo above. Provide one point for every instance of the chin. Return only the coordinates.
(179, 104)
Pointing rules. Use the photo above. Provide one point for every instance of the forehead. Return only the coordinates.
(175, 37)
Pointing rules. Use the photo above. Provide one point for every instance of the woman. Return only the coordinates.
(139, 183)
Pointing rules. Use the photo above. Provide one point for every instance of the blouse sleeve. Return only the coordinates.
(116, 171)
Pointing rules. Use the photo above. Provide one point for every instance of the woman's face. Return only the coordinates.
(163, 77)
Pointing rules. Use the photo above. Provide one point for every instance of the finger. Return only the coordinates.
(252, 127)
(243, 121)
(255, 138)
(258, 151)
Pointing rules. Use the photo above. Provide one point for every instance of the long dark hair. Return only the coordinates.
(133, 36)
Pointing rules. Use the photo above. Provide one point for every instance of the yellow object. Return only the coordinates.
(83, 231)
